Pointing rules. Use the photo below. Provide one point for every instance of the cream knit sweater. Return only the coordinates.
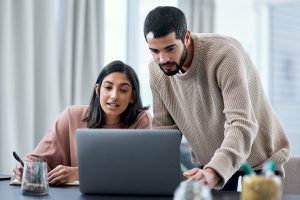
(220, 107)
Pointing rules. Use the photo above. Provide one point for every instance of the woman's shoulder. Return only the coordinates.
(143, 121)
(78, 107)
(77, 111)
(145, 114)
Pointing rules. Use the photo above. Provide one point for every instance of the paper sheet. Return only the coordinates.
(16, 182)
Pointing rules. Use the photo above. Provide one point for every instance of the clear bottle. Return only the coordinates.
(192, 190)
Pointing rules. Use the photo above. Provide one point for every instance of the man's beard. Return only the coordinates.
(178, 66)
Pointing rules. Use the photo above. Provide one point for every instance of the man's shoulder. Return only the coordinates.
(210, 45)
(215, 39)
(153, 66)
(213, 36)
(156, 74)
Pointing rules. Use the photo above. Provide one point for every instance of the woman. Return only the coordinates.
(115, 103)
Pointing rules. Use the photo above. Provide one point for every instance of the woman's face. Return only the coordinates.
(115, 95)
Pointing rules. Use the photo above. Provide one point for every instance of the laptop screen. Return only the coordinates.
(129, 161)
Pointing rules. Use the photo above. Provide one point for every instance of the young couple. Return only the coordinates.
(205, 85)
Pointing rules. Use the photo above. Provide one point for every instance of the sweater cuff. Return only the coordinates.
(223, 166)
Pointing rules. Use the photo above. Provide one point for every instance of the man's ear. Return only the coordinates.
(187, 38)
(97, 89)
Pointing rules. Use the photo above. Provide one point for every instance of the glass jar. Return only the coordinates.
(35, 178)
(255, 187)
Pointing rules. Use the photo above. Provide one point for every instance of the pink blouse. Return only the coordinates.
(58, 147)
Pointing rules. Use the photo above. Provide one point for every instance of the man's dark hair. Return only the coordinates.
(95, 112)
(164, 20)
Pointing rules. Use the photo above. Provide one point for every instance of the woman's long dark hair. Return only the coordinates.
(95, 112)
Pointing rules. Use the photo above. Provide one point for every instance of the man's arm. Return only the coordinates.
(241, 126)
(161, 119)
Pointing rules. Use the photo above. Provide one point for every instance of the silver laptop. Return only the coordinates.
(129, 161)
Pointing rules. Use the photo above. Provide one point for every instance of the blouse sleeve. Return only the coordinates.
(54, 148)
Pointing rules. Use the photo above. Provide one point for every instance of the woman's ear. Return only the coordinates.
(97, 89)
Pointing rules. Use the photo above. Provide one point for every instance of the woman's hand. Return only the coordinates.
(63, 174)
(18, 171)
(206, 176)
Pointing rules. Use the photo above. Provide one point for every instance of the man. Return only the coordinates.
(206, 86)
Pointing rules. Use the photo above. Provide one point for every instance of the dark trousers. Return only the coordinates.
(232, 183)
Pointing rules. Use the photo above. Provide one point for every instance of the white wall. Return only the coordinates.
(247, 21)
(238, 19)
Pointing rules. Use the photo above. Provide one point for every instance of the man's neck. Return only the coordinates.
(190, 55)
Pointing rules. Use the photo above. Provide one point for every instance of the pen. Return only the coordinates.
(18, 158)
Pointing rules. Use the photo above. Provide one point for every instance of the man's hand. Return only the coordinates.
(63, 174)
(207, 176)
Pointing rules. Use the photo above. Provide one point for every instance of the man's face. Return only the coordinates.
(168, 52)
